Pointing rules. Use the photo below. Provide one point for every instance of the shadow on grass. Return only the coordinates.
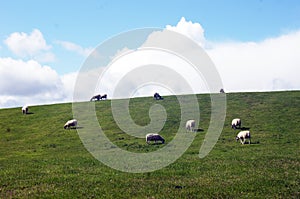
(74, 128)
(199, 130)
(251, 143)
(156, 143)
(245, 128)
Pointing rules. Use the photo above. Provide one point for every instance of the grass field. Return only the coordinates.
(40, 159)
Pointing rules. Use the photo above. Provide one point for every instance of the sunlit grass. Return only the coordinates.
(40, 159)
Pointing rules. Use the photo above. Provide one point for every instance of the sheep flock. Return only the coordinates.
(190, 125)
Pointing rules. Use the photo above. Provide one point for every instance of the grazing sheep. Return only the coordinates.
(157, 96)
(70, 123)
(154, 137)
(190, 125)
(242, 136)
(25, 109)
(96, 97)
(103, 96)
(236, 123)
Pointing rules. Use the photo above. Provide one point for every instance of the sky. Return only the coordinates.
(255, 45)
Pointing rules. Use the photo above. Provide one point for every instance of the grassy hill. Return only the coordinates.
(40, 159)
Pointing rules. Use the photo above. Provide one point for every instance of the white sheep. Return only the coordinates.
(236, 123)
(190, 125)
(154, 137)
(25, 109)
(242, 136)
(70, 123)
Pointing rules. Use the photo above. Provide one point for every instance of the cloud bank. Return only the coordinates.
(268, 65)
(29, 82)
(272, 64)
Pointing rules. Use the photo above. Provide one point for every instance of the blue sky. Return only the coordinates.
(100, 19)
(85, 24)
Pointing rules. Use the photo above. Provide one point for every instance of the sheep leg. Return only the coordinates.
(242, 140)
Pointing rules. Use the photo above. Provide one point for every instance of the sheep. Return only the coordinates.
(25, 109)
(96, 97)
(190, 125)
(70, 123)
(236, 123)
(157, 96)
(103, 97)
(242, 136)
(154, 137)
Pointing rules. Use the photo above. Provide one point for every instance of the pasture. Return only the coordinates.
(40, 159)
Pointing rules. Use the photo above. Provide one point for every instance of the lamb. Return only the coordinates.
(236, 123)
(242, 136)
(190, 125)
(70, 123)
(25, 110)
(154, 137)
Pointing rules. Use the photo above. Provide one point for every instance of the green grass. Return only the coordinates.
(39, 159)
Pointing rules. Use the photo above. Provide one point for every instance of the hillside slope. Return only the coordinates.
(38, 158)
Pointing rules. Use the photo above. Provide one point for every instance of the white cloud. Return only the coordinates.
(45, 57)
(140, 72)
(272, 64)
(150, 68)
(28, 82)
(31, 45)
(27, 77)
(75, 48)
(85, 85)
(192, 30)
(68, 81)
